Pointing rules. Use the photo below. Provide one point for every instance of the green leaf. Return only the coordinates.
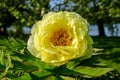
(12, 45)
(111, 58)
(24, 66)
(92, 71)
(40, 64)
(113, 64)
(73, 63)
(24, 77)
(66, 71)
(29, 58)
(3, 47)
(8, 64)
(41, 74)
(51, 78)
(67, 78)
(2, 60)
(58, 77)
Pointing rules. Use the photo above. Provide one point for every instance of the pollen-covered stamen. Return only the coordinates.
(61, 38)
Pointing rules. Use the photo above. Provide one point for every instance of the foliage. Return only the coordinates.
(107, 10)
(111, 51)
(99, 12)
(17, 63)
(20, 13)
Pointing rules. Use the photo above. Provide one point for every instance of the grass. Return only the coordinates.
(110, 55)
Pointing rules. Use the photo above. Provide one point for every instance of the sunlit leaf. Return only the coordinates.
(92, 71)
(50, 78)
(67, 78)
(40, 74)
(2, 60)
(24, 77)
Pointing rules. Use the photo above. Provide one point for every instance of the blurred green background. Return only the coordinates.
(18, 16)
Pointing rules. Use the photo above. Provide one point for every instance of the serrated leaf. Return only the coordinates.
(92, 71)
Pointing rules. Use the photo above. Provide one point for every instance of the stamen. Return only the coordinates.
(61, 38)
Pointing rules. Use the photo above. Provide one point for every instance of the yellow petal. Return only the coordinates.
(60, 37)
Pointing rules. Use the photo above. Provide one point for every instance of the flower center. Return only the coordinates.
(61, 38)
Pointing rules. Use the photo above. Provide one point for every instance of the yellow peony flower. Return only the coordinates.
(60, 37)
